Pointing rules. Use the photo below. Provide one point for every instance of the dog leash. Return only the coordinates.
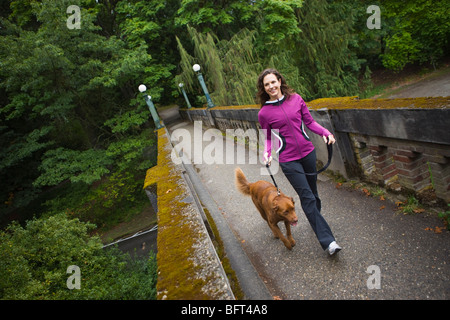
(273, 179)
(330, 156)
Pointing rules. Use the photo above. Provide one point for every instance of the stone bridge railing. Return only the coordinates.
(400, 144)
(188, 265)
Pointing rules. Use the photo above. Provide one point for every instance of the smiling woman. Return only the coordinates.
(286, 111)
(272, 86)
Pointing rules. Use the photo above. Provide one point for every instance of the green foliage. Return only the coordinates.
(241, 66)
(123, 122)
(324, 48)
(114, 198)
(410, 206)
(419, 31)
(229, 67)
(129, 152)
(446, 216)
(138, 20)
(326, 62)
(225, 19)
(61, 164)
(67, 94)
(113, 201)
(278, 20)
(34, 262)
(311, 43)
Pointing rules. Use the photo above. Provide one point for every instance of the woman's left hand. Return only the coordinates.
(331, 139)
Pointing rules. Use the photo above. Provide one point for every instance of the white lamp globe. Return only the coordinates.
(142, 88)
(196, 67)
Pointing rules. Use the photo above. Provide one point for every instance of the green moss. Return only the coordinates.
(176, 236)
(356, 103)
(218, 245)
(403, 103)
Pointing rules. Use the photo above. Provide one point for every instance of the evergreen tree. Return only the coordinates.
(64, 93)
(324, 52)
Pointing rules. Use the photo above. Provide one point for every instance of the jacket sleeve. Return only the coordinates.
(309, 121)
(267, 132)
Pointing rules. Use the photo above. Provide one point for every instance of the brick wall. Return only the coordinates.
(404, 165)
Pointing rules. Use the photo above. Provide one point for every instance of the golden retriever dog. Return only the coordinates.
(272, 207)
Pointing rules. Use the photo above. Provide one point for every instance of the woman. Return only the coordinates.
(285, 111)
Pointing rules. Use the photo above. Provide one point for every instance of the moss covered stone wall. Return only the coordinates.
(188, 267)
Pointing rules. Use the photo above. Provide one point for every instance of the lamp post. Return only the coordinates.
(185, 95)
(151, 107)
(196, 68)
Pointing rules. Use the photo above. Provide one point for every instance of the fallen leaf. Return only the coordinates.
(367, 192)
(382, 207)
(277, 298)
(428, 229)
(382, 198)
(419, 210)
(438, 229)
(170, 190)
(242, 241)
(338, 185)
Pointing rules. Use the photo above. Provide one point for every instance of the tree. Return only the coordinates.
(230, 67)
(278, 22)
(311, 43)
(323, 51)
(66, 95)
(419, 32)
(223, 18)
(34, 261)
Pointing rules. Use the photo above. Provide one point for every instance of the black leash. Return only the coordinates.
(330, 155)
(273, 179)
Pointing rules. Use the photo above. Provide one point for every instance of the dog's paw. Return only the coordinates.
(292, 241)
(288, 245)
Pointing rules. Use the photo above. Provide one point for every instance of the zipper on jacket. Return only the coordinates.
(290, 128)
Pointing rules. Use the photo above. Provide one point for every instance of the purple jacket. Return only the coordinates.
(286, 118)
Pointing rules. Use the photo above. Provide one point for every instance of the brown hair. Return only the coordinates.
(262, 94)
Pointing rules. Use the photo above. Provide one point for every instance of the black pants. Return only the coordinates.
(306, 188)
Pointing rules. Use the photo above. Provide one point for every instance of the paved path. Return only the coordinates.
(413, 262)
(431, 86)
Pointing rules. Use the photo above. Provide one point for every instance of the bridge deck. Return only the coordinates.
(412, 260)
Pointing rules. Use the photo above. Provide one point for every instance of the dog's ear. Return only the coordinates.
(292, 199)
(275, 205)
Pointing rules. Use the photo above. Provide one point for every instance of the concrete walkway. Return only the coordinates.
(432, 86)
(380, 246)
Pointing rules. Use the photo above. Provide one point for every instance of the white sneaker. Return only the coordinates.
(333, 248)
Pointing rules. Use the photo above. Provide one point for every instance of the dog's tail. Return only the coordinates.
(241, 181)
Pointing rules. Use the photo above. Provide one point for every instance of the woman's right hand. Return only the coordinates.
(267, 159)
